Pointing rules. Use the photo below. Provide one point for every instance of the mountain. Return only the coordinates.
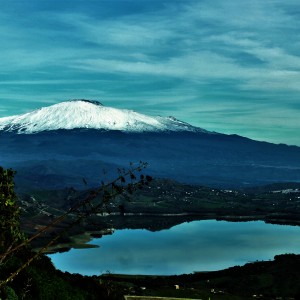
(92, 115)
(58, 146)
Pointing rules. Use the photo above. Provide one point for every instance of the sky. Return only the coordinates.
(226, 66)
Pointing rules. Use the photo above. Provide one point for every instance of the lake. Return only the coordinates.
(196, 246)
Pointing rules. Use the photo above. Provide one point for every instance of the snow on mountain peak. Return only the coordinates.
(82, 113)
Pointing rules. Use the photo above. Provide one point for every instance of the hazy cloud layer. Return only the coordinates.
(231, 67)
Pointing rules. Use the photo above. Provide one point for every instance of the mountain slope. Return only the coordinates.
(56, 159)
(90, 114)
(71, 140)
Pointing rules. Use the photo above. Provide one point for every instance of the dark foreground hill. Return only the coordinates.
(278, 279)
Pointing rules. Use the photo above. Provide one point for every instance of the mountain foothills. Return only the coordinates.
(55, 147)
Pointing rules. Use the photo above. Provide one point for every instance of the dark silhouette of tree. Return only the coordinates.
(10, 233)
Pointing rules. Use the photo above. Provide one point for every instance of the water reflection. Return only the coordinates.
(196, 246)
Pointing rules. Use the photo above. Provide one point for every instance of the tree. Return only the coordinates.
(10, 233)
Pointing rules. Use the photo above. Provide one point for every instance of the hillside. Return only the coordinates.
(278, 279)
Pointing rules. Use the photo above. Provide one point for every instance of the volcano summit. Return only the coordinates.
(90, 114)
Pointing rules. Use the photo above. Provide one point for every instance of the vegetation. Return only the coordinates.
(10, 233)
(278, 279)
(40, 280)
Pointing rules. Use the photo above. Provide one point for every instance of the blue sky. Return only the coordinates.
(227, 66)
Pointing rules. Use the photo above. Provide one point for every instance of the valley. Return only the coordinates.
(166, 203)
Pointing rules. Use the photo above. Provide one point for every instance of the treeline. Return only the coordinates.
(40, 280)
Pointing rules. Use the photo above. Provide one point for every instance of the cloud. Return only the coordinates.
(277, 69)
(170, 57)
(143, 44)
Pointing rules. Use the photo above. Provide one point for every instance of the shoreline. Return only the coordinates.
(81, 240)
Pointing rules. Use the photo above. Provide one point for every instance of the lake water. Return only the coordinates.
(185, 248)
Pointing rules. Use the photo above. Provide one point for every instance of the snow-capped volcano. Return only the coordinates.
(90, 114)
